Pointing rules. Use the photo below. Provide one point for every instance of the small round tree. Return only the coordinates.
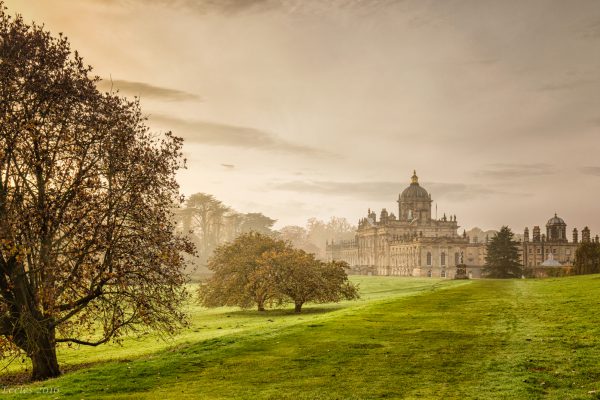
(257, 270)
(87, 250)
(240, 279)
(301, 278)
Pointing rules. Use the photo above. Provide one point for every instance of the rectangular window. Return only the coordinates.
(568, 251)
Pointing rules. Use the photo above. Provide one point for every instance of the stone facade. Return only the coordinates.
(412, 244)
(551, 254)
(415, 244)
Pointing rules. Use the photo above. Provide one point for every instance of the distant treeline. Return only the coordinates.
(209, 223)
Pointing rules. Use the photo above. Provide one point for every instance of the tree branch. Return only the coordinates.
(83, 342)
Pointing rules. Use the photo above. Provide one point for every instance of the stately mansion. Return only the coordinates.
(415, 244)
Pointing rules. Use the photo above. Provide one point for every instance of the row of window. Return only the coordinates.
(554, 251)
(443, 258)
(442, 273)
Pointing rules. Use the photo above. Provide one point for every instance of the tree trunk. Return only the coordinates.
(43, 358)
(261, 307)
(298, 307)
(38, 342)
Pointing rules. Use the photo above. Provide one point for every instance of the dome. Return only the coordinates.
(414, 191)
(556, 220)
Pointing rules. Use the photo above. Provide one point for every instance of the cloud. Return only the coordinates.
(201, 6)
(382, 190)
(590, 170)
(145, 90)
(234, 7)
(460, 191)
(365, 190)
(213, 133)
(592, 30)
(568, 85)
(510, 171)
(228, 166)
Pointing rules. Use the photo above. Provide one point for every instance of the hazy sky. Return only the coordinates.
(300, 108)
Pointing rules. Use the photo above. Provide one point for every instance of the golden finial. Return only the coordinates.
(415, 178)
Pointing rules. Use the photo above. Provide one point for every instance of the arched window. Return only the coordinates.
(443, 258)
(428, 258)
(456, 258)
(443, 273)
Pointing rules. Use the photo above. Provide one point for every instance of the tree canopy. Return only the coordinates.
(502, 259)
(240, 279)
(208, 223)
(587, 258)
(87, 249)
(258, 270)
(301, 278)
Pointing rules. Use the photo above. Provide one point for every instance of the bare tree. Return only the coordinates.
(87, 250)
(298, 237)
(318, 232)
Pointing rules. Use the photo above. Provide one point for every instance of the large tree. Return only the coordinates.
(204, 217)
(208, 223)
(587, 258)
(87, 250)
(502, 259)
(257, 222)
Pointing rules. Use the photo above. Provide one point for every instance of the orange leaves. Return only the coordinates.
(11, 249)
(85, 195)
(255, 269)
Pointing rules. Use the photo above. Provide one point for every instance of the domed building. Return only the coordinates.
(544, 253)
(417, 244)
(414, 203)
(556, 229)
(412, 244)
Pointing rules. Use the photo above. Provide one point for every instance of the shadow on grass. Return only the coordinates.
(280, 312)
(23, 377)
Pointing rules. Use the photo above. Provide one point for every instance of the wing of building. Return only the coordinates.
(415, 244)
(551, 254)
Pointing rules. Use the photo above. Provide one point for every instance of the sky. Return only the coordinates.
(313, 108)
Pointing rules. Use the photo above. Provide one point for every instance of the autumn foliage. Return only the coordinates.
(87, 250)
(258, 270)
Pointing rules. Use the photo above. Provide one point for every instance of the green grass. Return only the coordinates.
(406, 338)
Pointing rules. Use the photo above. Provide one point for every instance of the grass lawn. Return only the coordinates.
(406, 338)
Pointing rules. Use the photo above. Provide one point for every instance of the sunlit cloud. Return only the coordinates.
(512, 171)
(212, 133)
(590, 170)
(385, 190)
(145, 90)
